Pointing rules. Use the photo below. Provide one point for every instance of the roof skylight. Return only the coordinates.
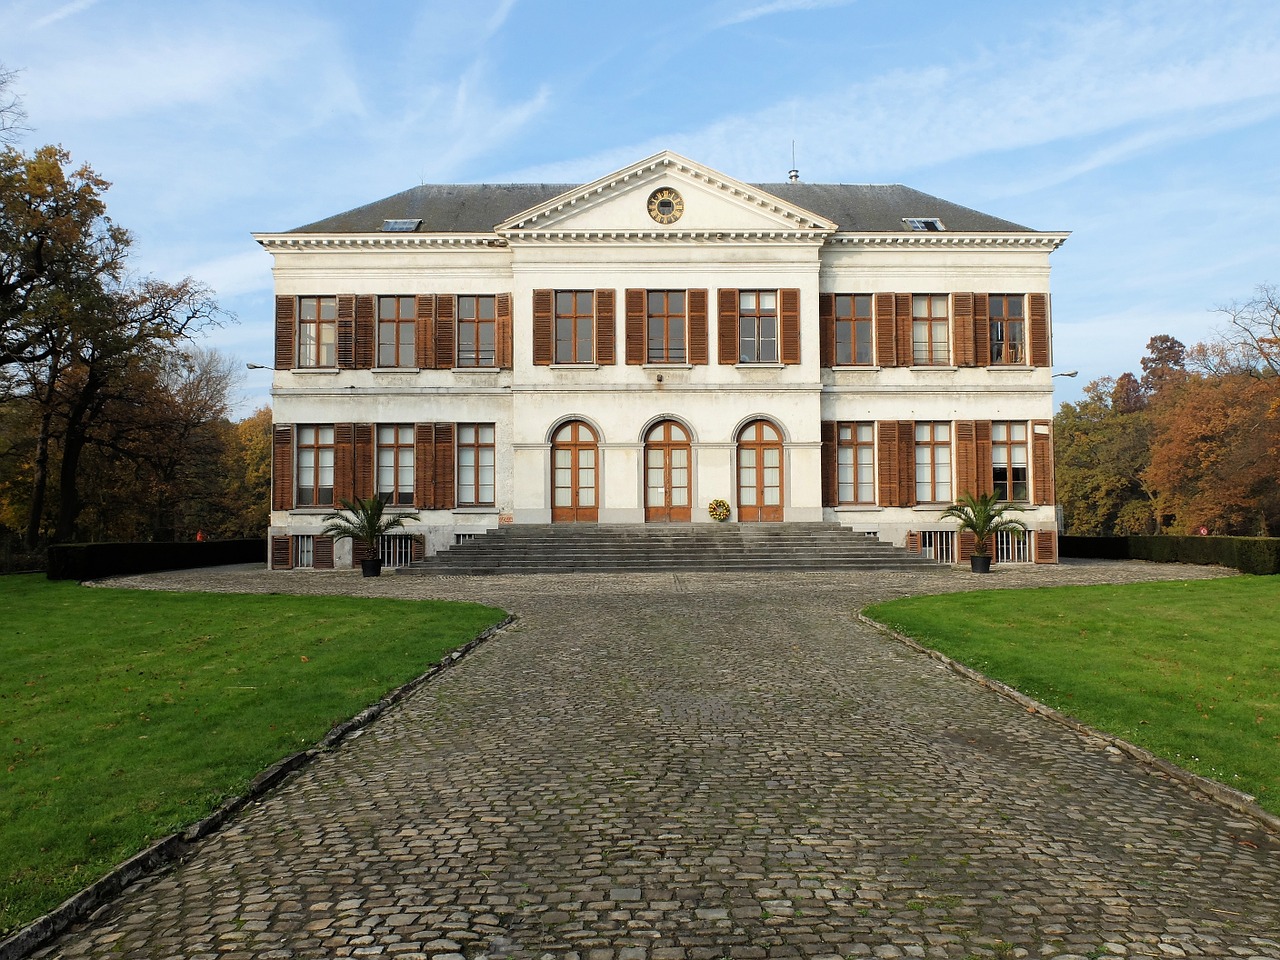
(400, 226)
(923, 223)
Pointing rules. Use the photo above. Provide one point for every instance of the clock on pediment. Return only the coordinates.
(665, 205)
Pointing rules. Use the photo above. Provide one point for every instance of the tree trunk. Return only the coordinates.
(39, 480)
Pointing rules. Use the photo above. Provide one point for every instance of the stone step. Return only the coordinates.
(555, 548)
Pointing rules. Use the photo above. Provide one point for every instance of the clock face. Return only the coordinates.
(665, 205)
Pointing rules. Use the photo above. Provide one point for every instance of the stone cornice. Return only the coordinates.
(374, 241)
(1035, 241)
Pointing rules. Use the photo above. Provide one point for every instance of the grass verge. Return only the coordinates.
(126, 715)
(1188, 670)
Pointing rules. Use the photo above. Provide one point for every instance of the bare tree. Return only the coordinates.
(1252, 330)
(13, 119)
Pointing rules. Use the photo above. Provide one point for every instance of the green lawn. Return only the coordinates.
(125, 715)
(1187, 670)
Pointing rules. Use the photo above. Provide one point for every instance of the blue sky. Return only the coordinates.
(1149, 130)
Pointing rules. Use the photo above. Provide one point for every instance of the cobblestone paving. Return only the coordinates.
(680, 767)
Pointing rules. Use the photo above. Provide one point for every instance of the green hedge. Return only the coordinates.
(1260, 555)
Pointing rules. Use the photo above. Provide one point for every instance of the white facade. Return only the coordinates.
(604, 236)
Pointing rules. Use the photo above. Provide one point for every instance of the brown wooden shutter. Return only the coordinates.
(504, 340)
(962, 324)
(444, 458)
(635, 338)
(827, 329)
(417, 547)
(1042, 461)
(698, 347)
(966, 459)
(345, 352)
(425, 333)
(887, 462)
(907, 463)
(913, 542)
(982, 442)
(886, 330)
(789, 324)
(282, 553)
(424, 474)
(446, 333)
(727, 332)
(543, 301)
(903, 335)
(286, 311)
(966, 543)
(366, 332)
(982, 329)
(830, 475)
(343, 462)
(322, 553)
(1046, 546)
(1038, 324)
(606, 326)
(360, 551)
(282, 468)
(364, 461)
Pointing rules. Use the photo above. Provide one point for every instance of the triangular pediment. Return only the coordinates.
(666, 195)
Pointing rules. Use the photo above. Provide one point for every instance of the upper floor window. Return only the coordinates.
(1007, 328)
(933, 462)
(930, 345)
(395, 464)
(315, 466)
(477, 331)
(853, 329)
(758, 326)
(317, 331)
(396, 325)
(574, 326)
(665, 327)
(855, 462)
(1009, 460)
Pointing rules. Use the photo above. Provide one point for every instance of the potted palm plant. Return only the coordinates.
(985, 515)
(363, 522)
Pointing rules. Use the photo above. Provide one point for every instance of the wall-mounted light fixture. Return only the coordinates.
(1069, 373)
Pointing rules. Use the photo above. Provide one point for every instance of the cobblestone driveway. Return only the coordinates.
(702, 767)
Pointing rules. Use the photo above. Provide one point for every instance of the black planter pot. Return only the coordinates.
(980, 564)
(371, 566)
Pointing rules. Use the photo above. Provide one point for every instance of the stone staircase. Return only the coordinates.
(677, 547)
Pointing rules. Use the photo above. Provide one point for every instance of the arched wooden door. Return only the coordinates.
(759, 473)
(575, 487)
(666, 474)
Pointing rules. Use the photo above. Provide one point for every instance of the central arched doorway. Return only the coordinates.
(575, 489)
(666, 474)
(759, 473)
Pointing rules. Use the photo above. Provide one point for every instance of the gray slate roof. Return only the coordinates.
(479, 207)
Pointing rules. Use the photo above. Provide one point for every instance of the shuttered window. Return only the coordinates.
(1009, 461)
(933, 462)
(856, 463)
(930, 345)
(665, 327)
(853, 330)
(317, 331)
(395, 464)
(477, 331)
(574, 327)
(397, 331)
(1007, 331)
(315, 466)
(476, 459)
(758, 326)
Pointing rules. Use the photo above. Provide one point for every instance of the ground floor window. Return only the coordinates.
(476, 459)
(395, 464)
(933, 462)
(315, 466)
(856, 463)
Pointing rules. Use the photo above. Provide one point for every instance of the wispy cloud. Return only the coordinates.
(778, 6)
(62, 12)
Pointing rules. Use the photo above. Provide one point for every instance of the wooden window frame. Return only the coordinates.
(470, 317)
(309, 438)
(315, 349)
(927, 449)
(853, 329)
(403, 325)
(673, 349)
(399, 451)
(861, 439)
(471, 446)
(575, 316)
(936, 330)
(1007, 488)
(756, 314)
(1007, 350)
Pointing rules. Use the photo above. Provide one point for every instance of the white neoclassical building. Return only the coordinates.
(626, 351)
